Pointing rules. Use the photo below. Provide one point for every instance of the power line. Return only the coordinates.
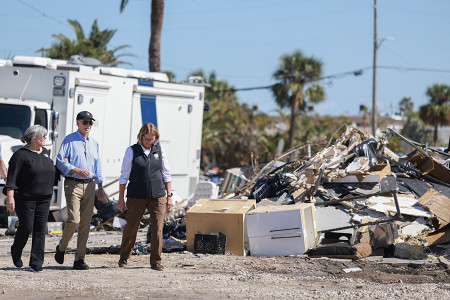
(338, 76)
(335, 76)
(413, 69)
(42, 13)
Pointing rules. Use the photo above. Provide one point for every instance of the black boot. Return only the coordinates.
(16, 257)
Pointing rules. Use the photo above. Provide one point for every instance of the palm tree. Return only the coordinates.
(171, 75)
(406, 106)
(95, 46)
(437, 111)
(297, 76)
(415, 129)
(154, 49)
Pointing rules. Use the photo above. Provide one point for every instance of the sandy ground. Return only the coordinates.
(190, 276)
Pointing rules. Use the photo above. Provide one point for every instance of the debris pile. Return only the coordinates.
(363, 193)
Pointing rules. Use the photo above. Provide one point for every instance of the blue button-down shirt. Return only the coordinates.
(79, 152)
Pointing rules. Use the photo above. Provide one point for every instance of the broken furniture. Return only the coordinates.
(281, 230)
(388, 185)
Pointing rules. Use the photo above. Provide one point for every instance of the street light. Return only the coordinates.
(376, 44)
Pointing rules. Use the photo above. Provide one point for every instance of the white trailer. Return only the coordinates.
(50, 92)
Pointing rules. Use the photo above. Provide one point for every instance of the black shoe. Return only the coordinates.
(18, 263)
(59, 256)
(80, 265)
(17, 260)
(122, 263)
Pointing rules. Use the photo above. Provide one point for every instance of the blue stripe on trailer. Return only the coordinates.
(148, 109)
(145, 83)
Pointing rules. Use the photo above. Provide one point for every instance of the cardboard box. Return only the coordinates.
(379, 172)
(213, 216)
(281, 230)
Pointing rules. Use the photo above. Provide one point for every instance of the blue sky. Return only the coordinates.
(242, 41)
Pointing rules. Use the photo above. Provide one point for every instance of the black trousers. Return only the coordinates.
(33, 215)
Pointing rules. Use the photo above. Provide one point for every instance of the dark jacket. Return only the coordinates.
(31, 174)
(146, 180)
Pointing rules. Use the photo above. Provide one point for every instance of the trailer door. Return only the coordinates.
(92, 99)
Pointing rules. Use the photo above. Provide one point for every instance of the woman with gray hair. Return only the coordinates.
(29, 189)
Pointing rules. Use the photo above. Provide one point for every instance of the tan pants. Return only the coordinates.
(135, 210)
(80, 199)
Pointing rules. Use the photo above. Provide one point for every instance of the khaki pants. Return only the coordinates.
(80, 199)
(135, 210)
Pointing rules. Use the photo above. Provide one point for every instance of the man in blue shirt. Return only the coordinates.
(79, 162)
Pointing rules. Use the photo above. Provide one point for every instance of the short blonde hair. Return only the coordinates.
(34, 131)
(146, 129)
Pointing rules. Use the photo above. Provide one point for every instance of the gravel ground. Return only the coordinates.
(190, 276)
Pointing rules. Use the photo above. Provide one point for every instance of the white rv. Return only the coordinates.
(50, 92)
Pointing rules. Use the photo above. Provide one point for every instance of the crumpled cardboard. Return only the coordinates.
(430, 166)
(438, 204)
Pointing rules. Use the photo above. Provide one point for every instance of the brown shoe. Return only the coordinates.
(122, 263)
(157, 267)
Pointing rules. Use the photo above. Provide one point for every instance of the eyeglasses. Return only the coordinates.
(88, 122)
(149, 140)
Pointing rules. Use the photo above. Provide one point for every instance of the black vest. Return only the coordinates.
(146, 180)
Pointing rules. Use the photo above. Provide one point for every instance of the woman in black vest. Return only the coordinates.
(147, 169)
(31, 175)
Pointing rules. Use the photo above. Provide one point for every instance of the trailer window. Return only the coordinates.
(41, 118)
(14, 120)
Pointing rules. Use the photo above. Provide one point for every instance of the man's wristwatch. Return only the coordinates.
(170, 195)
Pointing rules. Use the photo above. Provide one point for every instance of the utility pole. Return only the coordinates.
(374, 80)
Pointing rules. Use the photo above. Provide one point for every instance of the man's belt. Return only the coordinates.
(80, 180)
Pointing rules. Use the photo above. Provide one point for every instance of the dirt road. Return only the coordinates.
(189, 276)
